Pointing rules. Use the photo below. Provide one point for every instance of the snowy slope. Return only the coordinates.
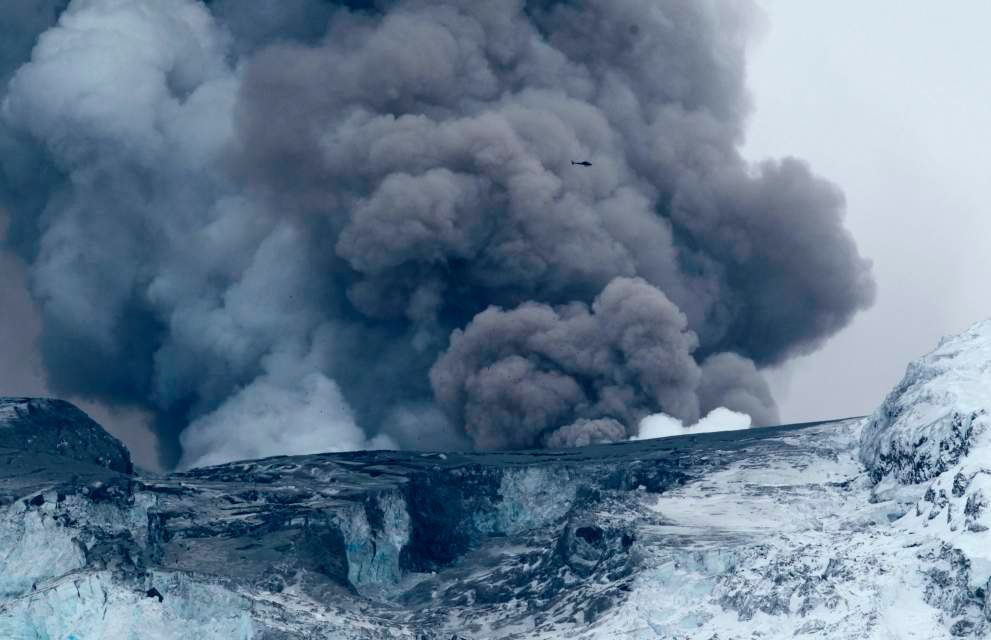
(863, 528)
(930, 441)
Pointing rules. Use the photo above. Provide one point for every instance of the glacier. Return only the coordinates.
(866, 528)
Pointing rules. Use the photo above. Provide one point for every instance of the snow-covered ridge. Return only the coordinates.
(55, 427)
(938, 413)
(932, 433)
(871, 528)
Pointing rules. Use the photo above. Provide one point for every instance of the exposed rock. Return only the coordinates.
(56, 427)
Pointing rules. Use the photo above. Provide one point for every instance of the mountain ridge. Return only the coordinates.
(872, 527)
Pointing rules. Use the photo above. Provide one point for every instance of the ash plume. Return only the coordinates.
(306, 225)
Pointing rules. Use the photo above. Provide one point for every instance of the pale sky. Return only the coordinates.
(891, 100)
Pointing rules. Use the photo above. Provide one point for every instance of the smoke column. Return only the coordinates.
(295, 226)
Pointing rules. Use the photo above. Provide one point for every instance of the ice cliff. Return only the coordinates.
(860, 528)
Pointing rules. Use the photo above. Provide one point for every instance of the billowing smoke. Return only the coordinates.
(514, 378)
(299, 225)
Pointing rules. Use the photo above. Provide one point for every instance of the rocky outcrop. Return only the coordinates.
(931, 437)
(56, 427)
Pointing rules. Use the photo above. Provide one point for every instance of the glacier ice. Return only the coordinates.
(869, 528)
(94, 604)
(34, 548)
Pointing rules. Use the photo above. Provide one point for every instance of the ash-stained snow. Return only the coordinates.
(869, 528)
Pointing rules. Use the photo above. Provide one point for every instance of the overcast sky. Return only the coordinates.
(890, 99)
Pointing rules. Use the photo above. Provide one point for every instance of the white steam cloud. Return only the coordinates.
(660, 425)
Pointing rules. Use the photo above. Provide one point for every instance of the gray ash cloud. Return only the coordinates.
(297, 226)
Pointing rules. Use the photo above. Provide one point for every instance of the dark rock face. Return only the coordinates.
(56, 427)
(438, 501)
(922, 460)
(590, 544)
(947, 588)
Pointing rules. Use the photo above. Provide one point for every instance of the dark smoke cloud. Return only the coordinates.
(584, 432)
(514, 378)
(294, 226)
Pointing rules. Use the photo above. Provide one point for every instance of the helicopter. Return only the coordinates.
(583, 163)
